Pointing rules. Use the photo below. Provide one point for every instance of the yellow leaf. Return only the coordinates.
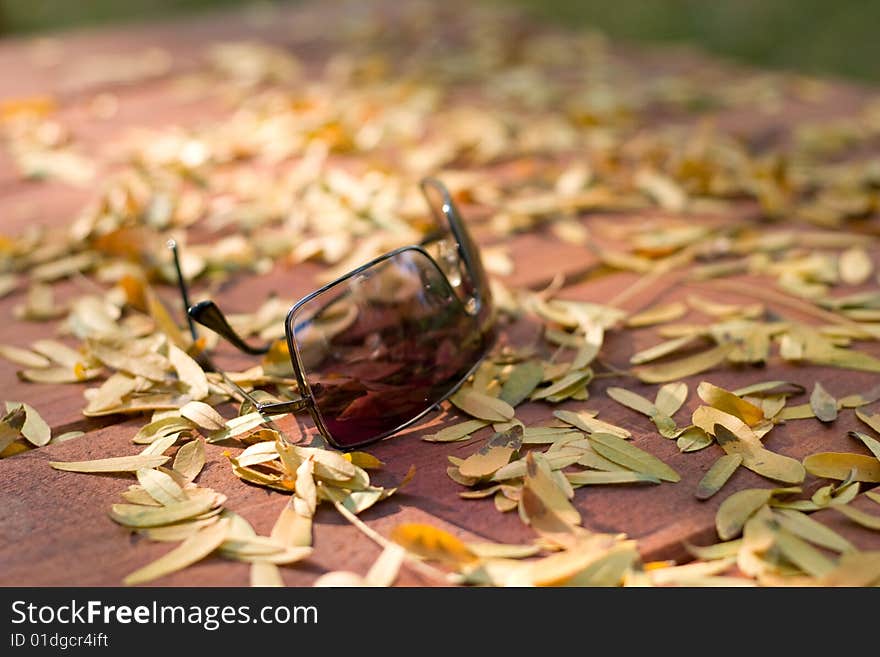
(433, 543)
(670, 398)
(717, 475)
(190, 372)
(823, 404)
(458, 431)
(866, 520)
(35, 429)
(521, 382)
(132, 515)
(538, 480)
(855, 266)
(657, 315)
(802, 525)
(729, 403)
(113, 464)
(757, 459)
(190, 459)
(265, 574)
(386, 568)
(482, 406)
(23, 356)
(736, 509)
(684, 367)
(160, 486)
(495, 454)
(193, 549)
(839, 465)
(204, 416)
(618, 450)
(590, 424)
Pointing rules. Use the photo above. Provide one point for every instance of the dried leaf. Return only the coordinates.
(872, 421)
(264, 574)
(839, 465)
(306, 500)
(671, 397)
(149, 365)
(657, 315)
(808, 529)
(386, 568)
(482, 406)
(35, 429)
(694, 439)
(292, 529)
(854, 569)
(160, 486)
(552, 435)
(364, 460)
(113, 464)
(756, 458)
(433, 543)
(190, 459)
(564, 387)
(866, 520)
(872, 444)
(855, 266)
(556, 461)
(590, 424)
(717, 475)
(190, 372)
(165, 426)
(503, 550)
(495, 454)
(802, 554)
(737, 509)
(589, 478)
(632, 400)
(458, 431)
(662, 349)
(770, 388)
(823, 404)
(521, 382)
(204, 416)
(135, 515)
(23, 356)
(160, 445)
(680, 369)
(10, 426)
(193, 549)
(618, 450)
(730, 403)
(540, 482)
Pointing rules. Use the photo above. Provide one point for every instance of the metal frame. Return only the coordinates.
(209, 314)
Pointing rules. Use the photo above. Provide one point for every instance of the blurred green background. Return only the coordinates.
(830, 37)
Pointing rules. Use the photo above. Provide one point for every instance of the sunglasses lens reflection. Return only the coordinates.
(382, 346)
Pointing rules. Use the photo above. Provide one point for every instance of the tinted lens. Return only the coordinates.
(382, 346)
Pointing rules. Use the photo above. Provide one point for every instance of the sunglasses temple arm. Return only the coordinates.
(209, 315)
(181, 285)
(449, 211)
(271, 408)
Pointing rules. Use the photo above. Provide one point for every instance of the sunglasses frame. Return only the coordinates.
(209, 315)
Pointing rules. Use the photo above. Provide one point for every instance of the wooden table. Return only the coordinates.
(54, 528)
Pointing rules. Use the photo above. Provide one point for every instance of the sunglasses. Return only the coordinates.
(378, 348)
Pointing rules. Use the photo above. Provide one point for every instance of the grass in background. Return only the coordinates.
(829, 37)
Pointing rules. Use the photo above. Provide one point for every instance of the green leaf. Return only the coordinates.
(618, 450)
(717, 475)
